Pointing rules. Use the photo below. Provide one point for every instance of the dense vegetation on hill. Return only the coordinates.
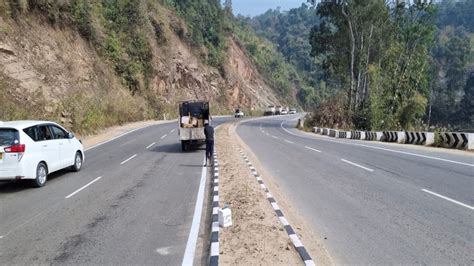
(151, 46)
(399, 67)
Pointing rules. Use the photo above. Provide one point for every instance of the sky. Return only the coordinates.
(257, 7)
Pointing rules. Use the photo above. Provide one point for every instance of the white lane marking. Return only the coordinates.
(275, 137)
(164, 136)
(82, 188)
(448, 199)
(190, 250)
(151, 145)
(1, 237)
(126, 161)
(287, 141)
(119, 136)
(379, 148)
(163, 251)
(172, 130)
(358, 165)
(309, 148)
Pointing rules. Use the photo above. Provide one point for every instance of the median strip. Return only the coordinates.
(289, 230)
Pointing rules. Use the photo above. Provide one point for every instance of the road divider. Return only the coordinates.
(457, 140)
(451, 140)
(288, 228)
(214, 252)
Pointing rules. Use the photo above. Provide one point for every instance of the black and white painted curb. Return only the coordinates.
(289, 230)
(214, 252)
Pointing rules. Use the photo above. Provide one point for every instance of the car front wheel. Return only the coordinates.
(76, 167)
(41, 175)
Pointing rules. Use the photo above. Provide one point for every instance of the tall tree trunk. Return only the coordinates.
(352, 78)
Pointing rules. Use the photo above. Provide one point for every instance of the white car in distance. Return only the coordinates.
(34, 149)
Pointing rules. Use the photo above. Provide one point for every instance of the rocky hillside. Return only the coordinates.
(93, 64)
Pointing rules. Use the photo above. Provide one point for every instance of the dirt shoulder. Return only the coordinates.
(256, 237)
(115, 131)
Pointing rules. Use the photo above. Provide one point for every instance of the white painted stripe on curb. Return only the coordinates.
(216, 180)
(448, 199)
(190, 250)
(269, 195)
(214, 248)
(258, 178)
(79, 190)
(215, 227)
(296, 241)
(263, 186)
(216, 198)
(358, 165)
(275, 206)
(309, 148)
(151, 145)
(309, 263)
(216, 188)
(283, 220)
(215, 210)
(126, 161)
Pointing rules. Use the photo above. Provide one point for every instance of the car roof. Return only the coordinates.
(21, 124)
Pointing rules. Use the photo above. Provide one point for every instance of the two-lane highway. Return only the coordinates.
(375, 203)
(132, 203)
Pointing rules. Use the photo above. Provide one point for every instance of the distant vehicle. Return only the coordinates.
(270, 110)
(34, 149)
(278, 110)
(292, 111)
(284, 111)
(238, 113)
(193, 115)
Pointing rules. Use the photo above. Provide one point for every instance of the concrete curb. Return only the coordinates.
(289, 230)
(214, 249)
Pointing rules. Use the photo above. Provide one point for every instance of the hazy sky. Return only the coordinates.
(256, 7)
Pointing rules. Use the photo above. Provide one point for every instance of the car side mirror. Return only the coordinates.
(70, 135)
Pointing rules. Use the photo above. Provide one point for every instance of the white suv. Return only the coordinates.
(34, 149)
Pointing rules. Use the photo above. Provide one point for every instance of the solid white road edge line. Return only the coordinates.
(124, 162)
(79, 190)
(358, 165)
(448, 199)
(190, 250)
(309, 148)
(377, 148)
(151, 145)
(164, 136)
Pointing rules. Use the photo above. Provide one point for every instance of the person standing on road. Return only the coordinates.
(209, 132)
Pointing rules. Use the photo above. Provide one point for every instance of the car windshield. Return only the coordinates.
(8, 136)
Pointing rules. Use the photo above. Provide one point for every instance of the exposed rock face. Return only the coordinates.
(38, 61)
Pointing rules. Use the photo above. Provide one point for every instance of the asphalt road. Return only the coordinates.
(375, 203)
(137, 209)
